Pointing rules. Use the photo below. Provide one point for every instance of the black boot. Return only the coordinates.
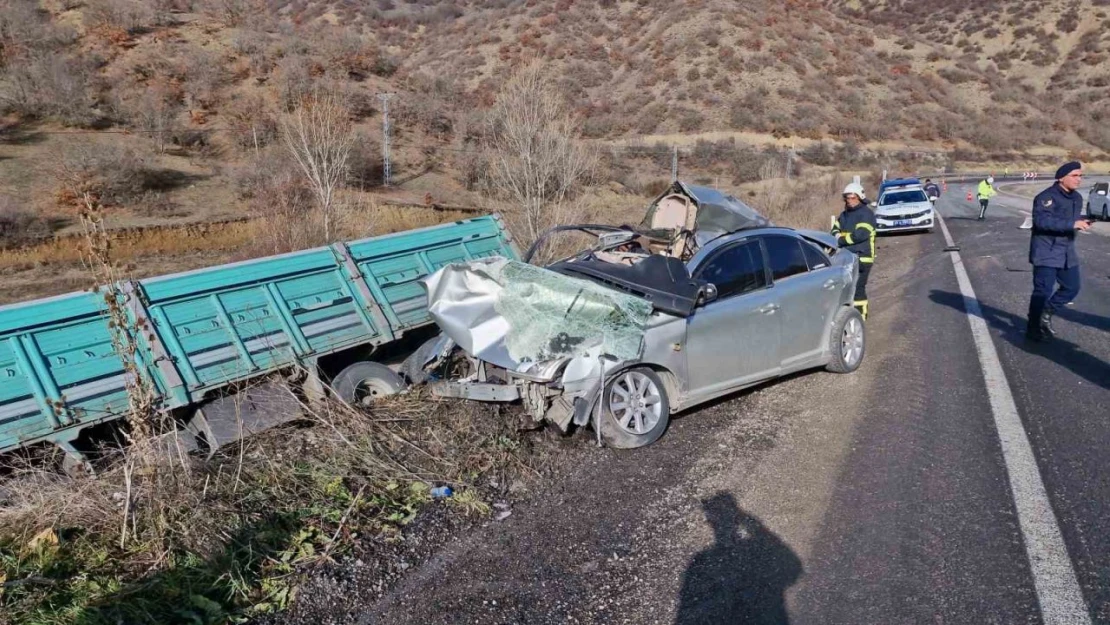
(1046, 325)
(1033, 333)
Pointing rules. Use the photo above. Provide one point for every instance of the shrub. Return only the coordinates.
(204, 76)
(129, 16)
(115, 175)
(18, 225)
(650, 118)
(24, 28)
(295, 81)
(49, 85)
(364, 163)
(345, 50)
(251, 122)
(231, 12)
(690, 120)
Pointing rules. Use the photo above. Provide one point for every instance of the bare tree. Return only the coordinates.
(153, 114)
(318, 135)
(536, 158)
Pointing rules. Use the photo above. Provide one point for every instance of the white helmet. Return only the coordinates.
(854, 188)
(990, 179)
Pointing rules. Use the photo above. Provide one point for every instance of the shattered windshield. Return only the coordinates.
(555, 316)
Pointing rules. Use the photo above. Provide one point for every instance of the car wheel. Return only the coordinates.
(364, 382)
(847, 341)
(412, 369)
(636, 409)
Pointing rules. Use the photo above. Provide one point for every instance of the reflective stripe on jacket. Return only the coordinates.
(855, 230)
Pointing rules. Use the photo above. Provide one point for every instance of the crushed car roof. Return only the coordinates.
(718, 213)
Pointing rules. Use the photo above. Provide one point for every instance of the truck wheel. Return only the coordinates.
(847, 342)
(635, 410)
(363, 382)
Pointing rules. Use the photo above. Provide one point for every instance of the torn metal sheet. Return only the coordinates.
(514, 315)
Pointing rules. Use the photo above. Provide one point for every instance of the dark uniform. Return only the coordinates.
(932, 190)
(855, 230)
(1052, 252)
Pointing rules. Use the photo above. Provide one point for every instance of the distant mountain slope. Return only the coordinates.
(941, 74)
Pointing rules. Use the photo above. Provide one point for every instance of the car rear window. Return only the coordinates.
(903, 197)
(786, 256)
(815, 257)
(735, 270)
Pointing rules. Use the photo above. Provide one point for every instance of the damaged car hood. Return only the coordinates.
(516, 315)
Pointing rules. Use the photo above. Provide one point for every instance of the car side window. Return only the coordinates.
(785, 255)
(735, 270)
(814, 257)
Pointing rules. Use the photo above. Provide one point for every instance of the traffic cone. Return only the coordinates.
(969, 196)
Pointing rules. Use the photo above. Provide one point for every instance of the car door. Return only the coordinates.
(808, 289)
(733, 340)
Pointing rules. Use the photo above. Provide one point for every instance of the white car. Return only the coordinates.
(903, 208)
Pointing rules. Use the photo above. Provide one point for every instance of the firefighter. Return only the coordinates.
(986, 192)
(1057, 217)
(855, 230)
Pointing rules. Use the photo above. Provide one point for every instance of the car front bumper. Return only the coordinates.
(922, 220)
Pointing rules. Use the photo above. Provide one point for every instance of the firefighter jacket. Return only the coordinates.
(855, 230)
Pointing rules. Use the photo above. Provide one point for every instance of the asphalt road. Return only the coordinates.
(884, 496)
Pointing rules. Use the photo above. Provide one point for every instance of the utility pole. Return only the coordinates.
(387, 166)
(674, 163)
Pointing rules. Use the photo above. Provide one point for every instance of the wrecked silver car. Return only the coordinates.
(704, 298)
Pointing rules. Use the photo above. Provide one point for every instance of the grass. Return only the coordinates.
(229, 538)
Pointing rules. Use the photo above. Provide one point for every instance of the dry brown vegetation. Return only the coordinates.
(194, 540)
(184, 101)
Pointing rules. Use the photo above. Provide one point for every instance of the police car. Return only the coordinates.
(903, 206)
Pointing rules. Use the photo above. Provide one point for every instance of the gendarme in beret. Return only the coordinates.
(1067, 168)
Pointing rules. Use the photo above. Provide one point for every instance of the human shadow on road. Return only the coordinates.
(1058, 350)
(743, 577)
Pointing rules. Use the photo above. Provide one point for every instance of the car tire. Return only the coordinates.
(635, 410)
(847, 341)
(412, 369)
(363, 382)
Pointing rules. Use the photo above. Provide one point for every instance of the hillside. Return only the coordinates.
(1032, 47)
(180, 100)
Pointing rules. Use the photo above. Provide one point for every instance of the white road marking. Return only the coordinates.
(1053, 575)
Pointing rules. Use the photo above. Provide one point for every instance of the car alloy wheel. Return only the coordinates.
(635, 402)
(851, 342)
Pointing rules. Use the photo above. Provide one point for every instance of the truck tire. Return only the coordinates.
(361, 383)
(847, 341)
(635, 409)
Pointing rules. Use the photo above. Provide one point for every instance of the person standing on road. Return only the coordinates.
(855, 230)
(932, 190)
(1056, 218)
(986, 192)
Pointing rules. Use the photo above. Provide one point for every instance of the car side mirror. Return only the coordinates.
(707, 293)
(873, 204)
